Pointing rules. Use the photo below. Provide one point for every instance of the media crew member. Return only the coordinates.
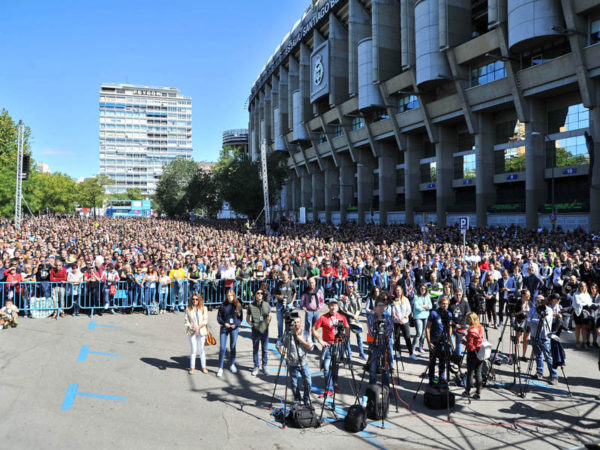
(328, 323)
(472, 342)
(350, 307)
(311, 303)
(297, 362)
(540, 323)
(381, 318)
(459, 307)
(507, 289)
(284, 295)
(438, 331)
(259, 318)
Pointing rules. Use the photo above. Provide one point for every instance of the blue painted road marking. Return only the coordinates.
(93, 325)
(85, 350)
(72, 393)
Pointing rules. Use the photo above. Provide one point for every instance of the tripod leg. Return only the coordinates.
(562, 369)
(281, 358)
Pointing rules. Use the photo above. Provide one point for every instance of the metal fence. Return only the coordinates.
(45, 298)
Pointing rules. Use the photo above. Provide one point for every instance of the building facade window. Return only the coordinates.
(428, 172)
(569, 118)
(510, 160)
(407, 103)
(357, 123)
(337, 131)
(571, 151)
(465, 166)
(594, 31)
(487, 73)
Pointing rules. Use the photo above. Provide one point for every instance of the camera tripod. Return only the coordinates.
(338, 351)
(381, 344)
(515, 355)
(542, 325)
(286, 350)
(446, 345)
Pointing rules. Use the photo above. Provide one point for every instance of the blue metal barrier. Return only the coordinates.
(42, 299)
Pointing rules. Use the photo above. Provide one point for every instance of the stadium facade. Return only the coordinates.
(236, 138)
(409, 111)
(142, 128)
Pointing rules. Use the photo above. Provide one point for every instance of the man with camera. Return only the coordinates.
(285, 294)
(438, 332)
(297, 362)
(335, 329)
(507, 289)
(311, 303)
(540, 323)
(381, 326)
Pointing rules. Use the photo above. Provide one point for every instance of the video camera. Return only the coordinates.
(289, 316)
(379, 327)
(340, 329)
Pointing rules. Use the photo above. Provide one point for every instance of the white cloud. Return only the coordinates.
(52, 152)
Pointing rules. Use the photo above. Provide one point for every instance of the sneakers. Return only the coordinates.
(363, 357)
(465, 394)
(112, 311)
(233, 368)
(476, 396)
(255, 371)
(421, 350)
(263, 370)
(537, 376)
(414, 357)
(552, 381)
(336, 389)
(329, 394)
(220, 373)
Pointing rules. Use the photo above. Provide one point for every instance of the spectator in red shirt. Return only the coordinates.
(329, 322)
(472, 342)
(58, 277)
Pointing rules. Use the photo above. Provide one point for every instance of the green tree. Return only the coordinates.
(239, 182)
(129, 194)
(171, 196)
(56, 192)
(90, 192)
(202, 194)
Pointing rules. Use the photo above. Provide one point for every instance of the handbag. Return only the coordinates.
(210, 339)
(112, 290)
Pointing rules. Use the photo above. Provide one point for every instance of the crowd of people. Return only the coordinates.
(409, 273)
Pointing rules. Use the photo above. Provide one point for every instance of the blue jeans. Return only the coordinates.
(331, 377)
(280, 313)
(162, 299)
(108, 299)
(373, 369)
(233, 334)
(457, 340)
(542, 351)
(261, 339)
(147, 296)
(359, 342)
(419, 338)
(295, 374)
(45, 290)
(310, 319)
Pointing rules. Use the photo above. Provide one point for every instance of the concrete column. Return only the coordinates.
(318, 191)
(359, 27)
(535, 162)
(293, 85)
(347, 171)
(364, 169)
(332, 188)
(305, 189)
(595, 157)
(387, 160)
(297, 195)
(338, 61)
(387, 58)
(444, 170)
(412, 176)
(485, 190)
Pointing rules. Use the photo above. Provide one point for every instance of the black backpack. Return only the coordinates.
(378, 402)
(356, 419)
(303, 417)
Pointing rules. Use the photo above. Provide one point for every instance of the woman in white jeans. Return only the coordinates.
(196, 320)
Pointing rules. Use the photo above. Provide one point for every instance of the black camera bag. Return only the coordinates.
(356, 419)
(377, 402)
(303, 417)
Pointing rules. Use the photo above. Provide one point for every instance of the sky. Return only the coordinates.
(56, 54)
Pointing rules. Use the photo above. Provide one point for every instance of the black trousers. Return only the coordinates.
(403, 329)
(490, 309)
(473, 368)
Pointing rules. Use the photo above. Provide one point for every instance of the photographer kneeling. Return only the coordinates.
(381, 326)
(335, 328)
(541, 344)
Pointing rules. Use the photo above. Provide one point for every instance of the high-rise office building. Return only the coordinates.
(141, 129)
